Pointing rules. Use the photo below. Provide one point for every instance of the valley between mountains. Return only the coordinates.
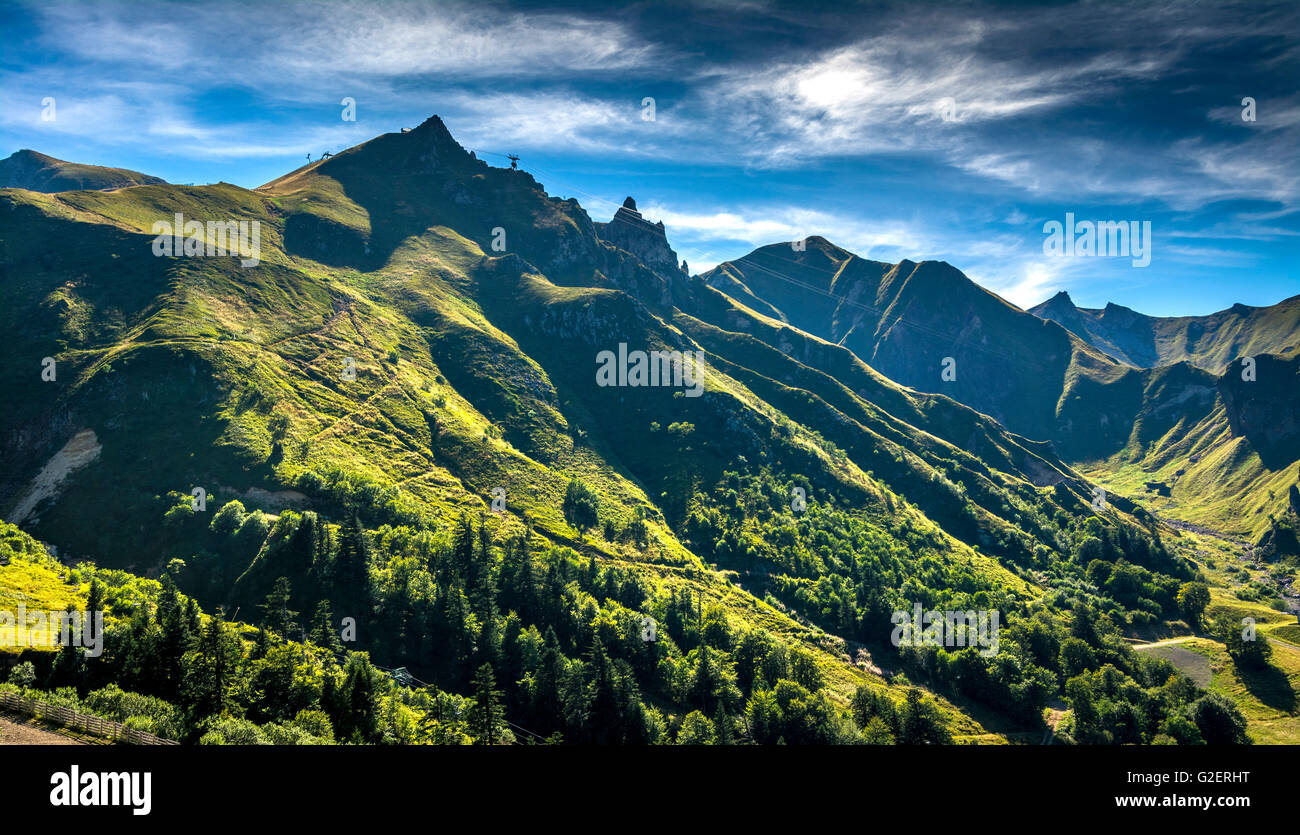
(397, 429)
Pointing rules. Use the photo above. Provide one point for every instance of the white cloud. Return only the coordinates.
(887, 93)
(549, 120)
(699, 234)
(245, 43)
(1030, 284)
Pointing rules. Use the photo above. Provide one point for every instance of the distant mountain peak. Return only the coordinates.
(35, 171)
(1207, 342)
(28, 153)
(435, 126)
(941, 267)
(1058, 308)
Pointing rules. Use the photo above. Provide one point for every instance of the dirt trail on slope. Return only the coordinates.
(1166, 642)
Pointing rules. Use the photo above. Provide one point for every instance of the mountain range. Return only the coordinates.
(1208, 342)
(417, 344)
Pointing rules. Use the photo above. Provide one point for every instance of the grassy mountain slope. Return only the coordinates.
(929, 327)
(1226, 461)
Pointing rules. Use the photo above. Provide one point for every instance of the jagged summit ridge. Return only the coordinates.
(1209, 342)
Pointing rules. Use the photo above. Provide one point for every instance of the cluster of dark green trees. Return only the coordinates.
(1118, 695)
(848, 575)
(516, 640)
(189, 675)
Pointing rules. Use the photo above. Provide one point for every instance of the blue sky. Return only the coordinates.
(912, 130)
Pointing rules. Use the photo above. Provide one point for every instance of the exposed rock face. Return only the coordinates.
(629, 231)
(1263, 409)
(75, 454)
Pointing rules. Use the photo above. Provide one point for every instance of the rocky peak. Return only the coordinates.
(627, 213)
(629, 230)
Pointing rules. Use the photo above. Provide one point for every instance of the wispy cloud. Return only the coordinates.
(302, 41)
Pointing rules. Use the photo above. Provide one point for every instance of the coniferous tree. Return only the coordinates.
(211, 669)
(462, 551)
(920, 721)
(352, 568)
(174, 640)
(69, 668)
(304, 548)
(276, 614)
(358, 700)
(323, 634)
(723, 727)
(486, 717)
(95, 598)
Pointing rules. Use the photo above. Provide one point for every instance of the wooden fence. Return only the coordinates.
(94, 725)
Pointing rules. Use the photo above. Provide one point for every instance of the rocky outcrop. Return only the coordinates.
(630, 231)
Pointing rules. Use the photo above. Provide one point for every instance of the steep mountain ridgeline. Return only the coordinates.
(915, 321)
(1222, 454)
(1209, 342)
(357, 207)
(1263, 408)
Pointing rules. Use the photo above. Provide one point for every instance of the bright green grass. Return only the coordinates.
(32, 578)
